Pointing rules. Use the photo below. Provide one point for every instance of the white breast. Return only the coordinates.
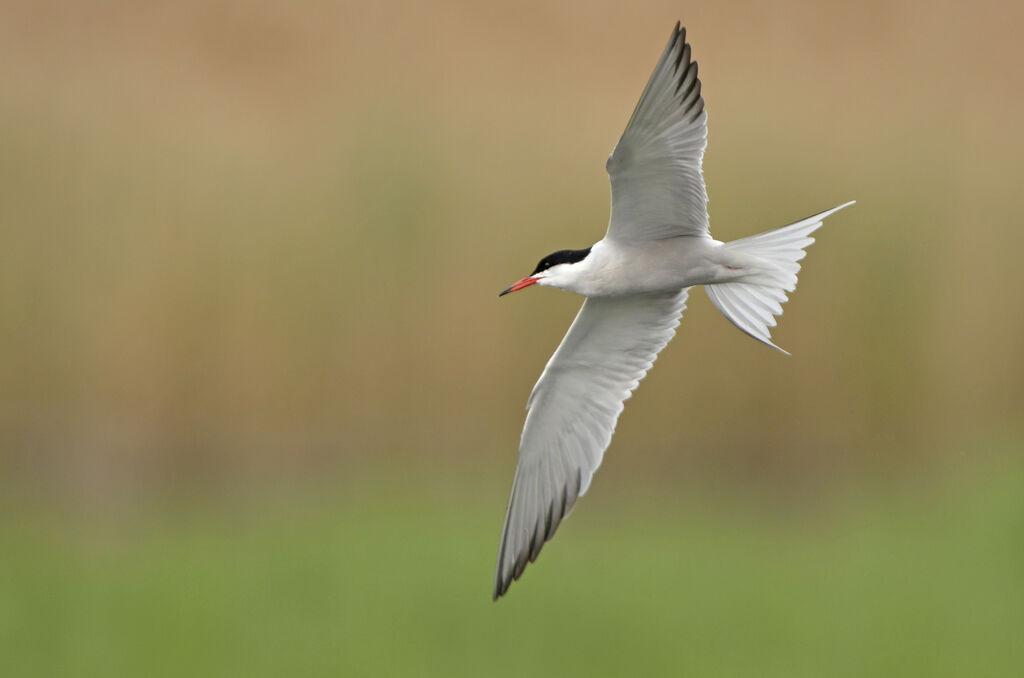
(617, 269)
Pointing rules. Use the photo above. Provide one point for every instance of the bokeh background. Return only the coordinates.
(259, 401)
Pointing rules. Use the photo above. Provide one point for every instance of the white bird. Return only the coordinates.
(635, 280)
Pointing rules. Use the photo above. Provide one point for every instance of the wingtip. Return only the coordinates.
(678, 34)
(502, 583)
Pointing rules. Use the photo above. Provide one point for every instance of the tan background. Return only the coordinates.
(247, 238)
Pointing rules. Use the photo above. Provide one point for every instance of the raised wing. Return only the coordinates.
(571, 415)
(657, 186)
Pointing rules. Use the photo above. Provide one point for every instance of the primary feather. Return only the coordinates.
(572, 413)
(655, 170)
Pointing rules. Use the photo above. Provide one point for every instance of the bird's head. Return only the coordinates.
(559, 269)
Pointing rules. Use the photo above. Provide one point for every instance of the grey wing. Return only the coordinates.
(572, 412)
(655, 170)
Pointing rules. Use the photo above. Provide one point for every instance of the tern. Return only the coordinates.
(635, 282)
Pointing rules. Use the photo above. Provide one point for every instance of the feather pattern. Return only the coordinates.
(572, 412)
(658, 187)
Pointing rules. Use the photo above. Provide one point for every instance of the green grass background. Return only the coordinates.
(891, 581)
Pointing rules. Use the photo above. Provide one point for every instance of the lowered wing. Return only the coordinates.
(572, 412)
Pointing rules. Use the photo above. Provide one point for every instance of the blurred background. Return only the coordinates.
(259, 401)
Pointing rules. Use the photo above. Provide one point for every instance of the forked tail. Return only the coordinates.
(752, 302)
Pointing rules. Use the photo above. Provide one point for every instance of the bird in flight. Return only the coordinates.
(635, 282)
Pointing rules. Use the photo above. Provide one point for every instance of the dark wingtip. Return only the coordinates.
(501, 584)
